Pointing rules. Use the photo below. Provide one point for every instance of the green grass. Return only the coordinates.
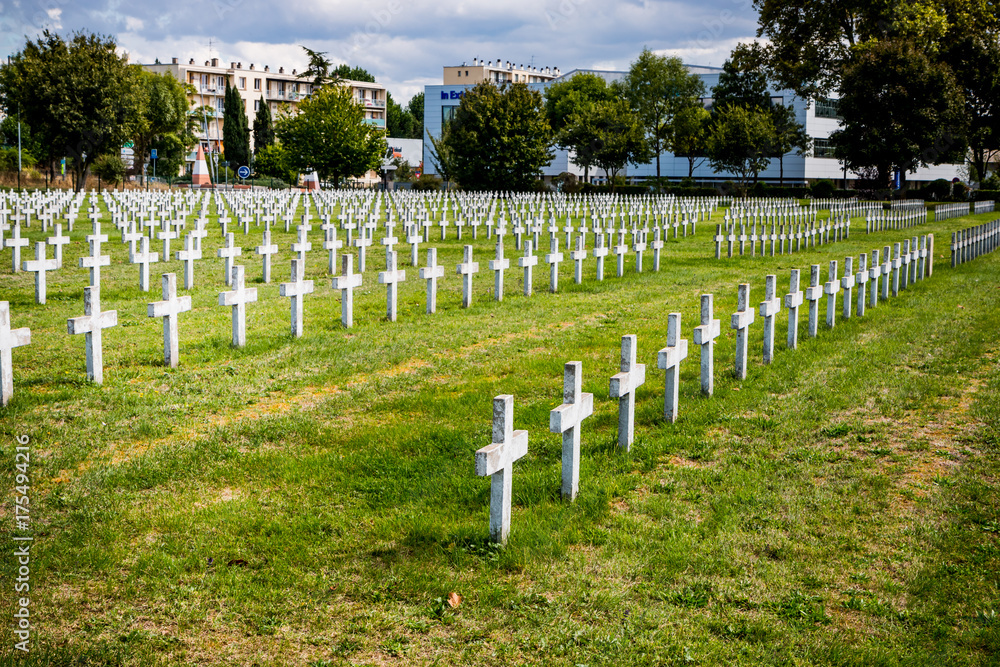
(313, 501)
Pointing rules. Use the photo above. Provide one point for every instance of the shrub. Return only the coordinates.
(938, 190)
(427, 182)
(985, 195)
(822, 189)
(109, 168)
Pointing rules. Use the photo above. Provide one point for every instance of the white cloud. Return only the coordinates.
(133, 24)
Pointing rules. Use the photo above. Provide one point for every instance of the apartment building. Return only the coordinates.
(497, 72)
(255, 84)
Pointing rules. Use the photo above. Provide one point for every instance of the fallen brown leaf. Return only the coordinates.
(454, 599)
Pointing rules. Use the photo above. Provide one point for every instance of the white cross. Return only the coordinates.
(769, 307)
(346, 283)
(391, 278)
(705, 335)
(527, 262)
(620, 251)
(639, 246)
(431, 273)
(332, 244)
(831, 288)
(266, 249)
(95, 260)
(467, 269)
(498, 266)
(741, 321)
(792, 302)
(39, 266)
(296, 290)
(553, 259)
(188, 256)
(657, 246)
(496, 461)
(813, 294)
(897, 262)
(623, 387)
(847, 282)
(130, 236)
(669, 359)
(886, 270)
(9, 339)
(413, 238)
(144, 259)
(229, 252)
(600, 252)
(567, 419)
(303, 246)
(92, 323)
(578, 256)
(861, 277)
(166, 235)
(15, 243)
(238, 298)
(362, 243)
(168, 309)
(57, 241)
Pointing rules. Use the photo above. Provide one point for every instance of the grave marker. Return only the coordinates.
(769, 308)
(813, 294)
(168, 309)
(527, 262)
(705, 335)
(144, 258)
(847, 282)
(669, 359)
(9, 339)
(40, 266)
(623, 387)
(91, 324)
(498, 266)
(229, 252)
(57, 241)
(741, 321)
(431, 273)
(496, 461)
(391, 278)
(238, 298)
(346, 283)
(793, 300)
(467, 269)
(567, 419)
(553, 259)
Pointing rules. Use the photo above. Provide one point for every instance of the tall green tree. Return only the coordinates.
(499, 138)
(657, 87)
(82, 99)
(564, 98)
(789, 135)
(263, 127)
(235, 129)
(743, 81)
(329, 135)
(415, 108)
(974, 58)
(689, 135)
(164, 112)
(319, 69)
(617, 136)
(398, 122)
(345, 71)
(900, 111)
(741, 142)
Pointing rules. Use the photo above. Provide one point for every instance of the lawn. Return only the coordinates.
(314, 502)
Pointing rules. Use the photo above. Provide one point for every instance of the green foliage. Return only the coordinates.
(608, 136)
(742, 82)
(30, 145)
(329, 135)
(427, 182)
(318, 71)
(110, 168)
(344, 71)
(565, 98)
(235, 129)
(8, 159)
(263, 127)
(974, 59)
(822, 189)
(398, 121)
(440, 150)
(81, 97)
(689, 135)
(900, 110)
(272, 161)
(416, 109)
(163, 122)
(741, 142)
(657, 88)
(499, 138)
(171, 152)
(937, 190)
(789, 135)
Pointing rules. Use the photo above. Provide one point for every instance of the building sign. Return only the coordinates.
(452, 95)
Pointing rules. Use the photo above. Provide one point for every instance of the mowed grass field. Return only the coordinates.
(313, 501)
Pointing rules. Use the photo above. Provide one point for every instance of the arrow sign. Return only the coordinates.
(243, 172)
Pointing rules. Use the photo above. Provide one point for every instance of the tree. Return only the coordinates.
(618, 136)
(974, 59)
(235, 129)
(272, 161)
(740, 142)
(319, 68)
(416, 109)
(82, 99)
(564, 98)
(110, 168)
(789, 135)
(329, 135)
(657, 87)
(441, 153)
(164, 112)
(900, 111)
(398, 123)
(499, 138)
(345, 72)
(689, 135)
(263, 127)
(742, 81)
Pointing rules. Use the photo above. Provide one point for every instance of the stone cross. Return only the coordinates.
(39, 266)
(391, 278)
(265, 250)
(639, 246)
(897, 263)
(847, 282)
(15, 243)
(498, 266)
(886, 270)
(413, 238)
(332, 244)
(567, 419)
(496, 461)
(9, 339)
(657, 246)
(905, 261)
(188, 256)
(230, 252)
(669, 359)
(553, 259)
(861, 277)
(600, 252)
(578, 256)
(431, 273)
(705, 335)
(620, 251)
(741, 321)
(296, 290)
(792, 302)
(144, 258)
(166, 235)
(527, 262)
(362, 243)
(831, 288)
(623, 387)
(467, 269)
(346, 282)
(92, 323)
(130, 236)
(238, 298)
(168, 309)
(813, 294)
(57, 241)
(303, 246)
(769, 308)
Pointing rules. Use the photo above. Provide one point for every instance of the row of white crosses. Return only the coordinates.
(497, 459)
(783, 238)
(880, 221)
(968, 244)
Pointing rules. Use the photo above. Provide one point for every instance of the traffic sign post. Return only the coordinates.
(243, 172)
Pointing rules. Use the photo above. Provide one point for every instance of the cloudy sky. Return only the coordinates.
(403, 43)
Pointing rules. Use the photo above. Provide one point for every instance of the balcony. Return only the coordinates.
(365, 102)
(377, 122)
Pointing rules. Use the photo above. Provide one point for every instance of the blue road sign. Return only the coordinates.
(152, 154)
(243, 172)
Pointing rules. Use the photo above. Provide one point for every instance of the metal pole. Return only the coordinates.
(18, 149)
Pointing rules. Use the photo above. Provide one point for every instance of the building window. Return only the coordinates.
(220, 82)
(256, 105)
(256, 84)
(243, 83)
(447, 114)
(823, 148)
(827, 108)
(777, 99)
(460, 74)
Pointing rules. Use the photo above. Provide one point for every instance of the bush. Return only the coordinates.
(938, 190)
(985, 195)
(109, 168)
(991, 182)
(822, 189)
(427, 182)
(618, 189)
(8, 159)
